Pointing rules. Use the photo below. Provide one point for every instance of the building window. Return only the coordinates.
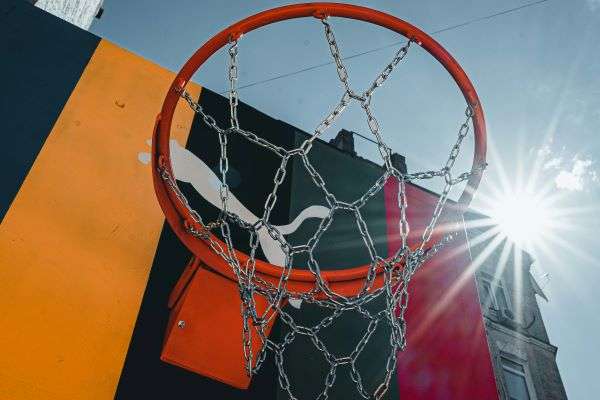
(494, 295)
(515, 379)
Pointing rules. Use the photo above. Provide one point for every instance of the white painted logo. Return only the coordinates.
(191, 169)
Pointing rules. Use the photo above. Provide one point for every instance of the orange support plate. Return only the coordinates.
(204, 334)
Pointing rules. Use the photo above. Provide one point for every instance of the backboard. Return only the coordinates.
(87, 263)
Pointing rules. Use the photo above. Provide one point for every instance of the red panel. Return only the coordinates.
(447, 356)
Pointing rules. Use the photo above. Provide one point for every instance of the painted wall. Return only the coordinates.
(87, 263)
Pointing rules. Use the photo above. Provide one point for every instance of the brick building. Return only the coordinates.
(524, 360)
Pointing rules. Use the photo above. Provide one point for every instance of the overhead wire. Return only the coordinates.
(394, 44)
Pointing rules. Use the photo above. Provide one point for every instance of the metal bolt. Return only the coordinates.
(181, 324)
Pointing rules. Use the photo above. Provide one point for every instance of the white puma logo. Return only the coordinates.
(189, 168)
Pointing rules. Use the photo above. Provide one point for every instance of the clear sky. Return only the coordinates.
(537, 72)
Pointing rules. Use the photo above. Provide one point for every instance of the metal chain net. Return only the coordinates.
(397, 270)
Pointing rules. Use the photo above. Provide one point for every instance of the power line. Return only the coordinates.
(376, 49)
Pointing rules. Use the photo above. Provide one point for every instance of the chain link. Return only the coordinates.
(397, 270)
(233, 77)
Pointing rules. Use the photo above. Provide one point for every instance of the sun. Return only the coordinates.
(522, 217)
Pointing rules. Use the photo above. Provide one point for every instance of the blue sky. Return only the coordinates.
(536, 70)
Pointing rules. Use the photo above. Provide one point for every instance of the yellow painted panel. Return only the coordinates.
(78, 242)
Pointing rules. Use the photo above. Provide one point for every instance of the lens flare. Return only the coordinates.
(522, 217)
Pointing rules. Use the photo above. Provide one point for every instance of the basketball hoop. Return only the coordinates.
(336, 290)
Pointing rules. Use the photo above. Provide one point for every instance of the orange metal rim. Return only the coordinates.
(347, 281)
